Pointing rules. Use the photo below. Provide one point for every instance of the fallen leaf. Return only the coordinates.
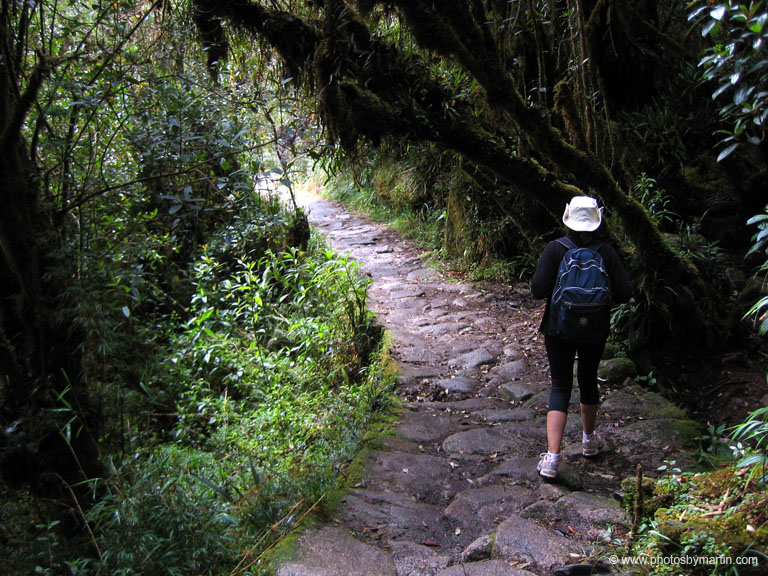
(457, 531)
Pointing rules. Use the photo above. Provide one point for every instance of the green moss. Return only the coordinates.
(687, 432)
(283, 551)
(713, 514)
(617, 369)
(629, 491)
(714, 485)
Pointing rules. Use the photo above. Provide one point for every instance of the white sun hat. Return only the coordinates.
(582, 214)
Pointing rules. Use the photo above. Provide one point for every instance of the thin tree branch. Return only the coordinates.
(84, 198)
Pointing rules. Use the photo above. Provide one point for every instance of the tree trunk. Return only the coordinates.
(46, 412)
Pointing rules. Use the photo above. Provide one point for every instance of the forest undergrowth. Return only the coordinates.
(247, 410)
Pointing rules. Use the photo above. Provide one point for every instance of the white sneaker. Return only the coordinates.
(547, 467)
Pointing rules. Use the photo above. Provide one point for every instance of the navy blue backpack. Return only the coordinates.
(580, 309)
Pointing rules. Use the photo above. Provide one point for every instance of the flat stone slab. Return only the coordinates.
(415, 354)
(413, 559)
(442, 328)
(519, 538)
(333, 551)
(510, 370)
(507, 415)
(400, 294)
(531, 432)
(403, 309)
(475, 359)
(519, 391)
(420, 476)
(590, 509)
(489, 568)
(661, 432)
(484, 507)
(634, 400)
(481, 441)
(426, 425)
(407, 370)
(389, 516)
(423, 274)
(404, 339)
(458, 385)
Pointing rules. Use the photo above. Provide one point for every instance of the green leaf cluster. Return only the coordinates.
(737, 63)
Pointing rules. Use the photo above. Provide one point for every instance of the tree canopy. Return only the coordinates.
(539, 100)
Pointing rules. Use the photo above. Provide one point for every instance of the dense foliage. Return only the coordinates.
(183, 369)
(736, 63)
(499, 112)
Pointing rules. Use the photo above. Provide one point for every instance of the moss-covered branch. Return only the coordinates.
(368, 88)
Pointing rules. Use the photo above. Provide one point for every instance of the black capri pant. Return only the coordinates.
(561, 356)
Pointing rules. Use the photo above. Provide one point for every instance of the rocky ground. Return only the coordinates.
(454, 489)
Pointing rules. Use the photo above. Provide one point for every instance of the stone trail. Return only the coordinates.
(454, 490)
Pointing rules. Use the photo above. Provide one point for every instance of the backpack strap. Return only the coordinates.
(567, 242)
(571, 245)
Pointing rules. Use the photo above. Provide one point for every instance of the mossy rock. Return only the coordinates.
(635, 399)
(616, 370)
(729, 530)
(687, 432)
(659, 432)
(718, 513)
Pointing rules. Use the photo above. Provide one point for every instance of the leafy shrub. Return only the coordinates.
(760, 244)
(736, 63)
(753, 432)
(268, 389)
(290, 313)
(160, 517)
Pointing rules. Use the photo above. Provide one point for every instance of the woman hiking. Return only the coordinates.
(574, 327)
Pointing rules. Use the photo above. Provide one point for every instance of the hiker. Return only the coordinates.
(585, 334)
